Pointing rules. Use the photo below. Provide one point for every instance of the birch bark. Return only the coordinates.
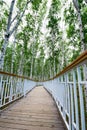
(7, 35)
(10, 32)
(13, 51)
(76, 5)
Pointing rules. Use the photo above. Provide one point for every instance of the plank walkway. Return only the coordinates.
(37, 111)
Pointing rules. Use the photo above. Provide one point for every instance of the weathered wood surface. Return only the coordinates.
(37, 111)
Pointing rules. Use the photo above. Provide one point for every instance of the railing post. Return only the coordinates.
(5, 89)
(68, 107)
(81, 100)
(24, 93)
(76, 100)
(0, 90)
(11, 90)
(64, 98)
(72, 105)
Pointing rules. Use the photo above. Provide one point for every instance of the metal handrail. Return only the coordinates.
(78, 60)
(13, 87)
(68, 90)
(15, 75)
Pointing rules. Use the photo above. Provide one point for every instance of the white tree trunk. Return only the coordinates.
(83, 46)
(10, 32)
(76, 5)
(13, 51)
(7, 35)
(50, 71)
(54, 67)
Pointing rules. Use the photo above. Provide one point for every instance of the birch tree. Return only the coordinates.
(10, 31)
(76, 4)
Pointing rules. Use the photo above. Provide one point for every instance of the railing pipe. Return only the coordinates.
(68, 88)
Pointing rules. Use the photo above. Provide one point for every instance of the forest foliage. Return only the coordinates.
(41, 37)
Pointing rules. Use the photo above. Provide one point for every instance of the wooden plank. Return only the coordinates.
(37, 111)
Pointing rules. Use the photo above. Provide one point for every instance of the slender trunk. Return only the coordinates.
(76, 5)
(42, 72)
(13, 52)
(32, 60)
(31, 71)
(20, 69)
(20, 17)
(7, 35)
(34, 69)
(83, 46)
(50, 70)
(8, 32)
(54, 67)
(2, 56)
(53, 41)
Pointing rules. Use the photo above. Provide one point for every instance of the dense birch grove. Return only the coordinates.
(39, 38)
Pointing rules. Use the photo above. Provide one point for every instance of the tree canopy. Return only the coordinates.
(38, 38)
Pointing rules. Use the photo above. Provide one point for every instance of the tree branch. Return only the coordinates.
(76, 5)
(20, 17)
(86, 1)
(13, 19)
(10, 15)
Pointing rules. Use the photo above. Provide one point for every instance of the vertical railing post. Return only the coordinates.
(65, 92)
(24, 87)
(76, 101)
(81, 100)
(64, 98)
(72, 106)
(11, 92)
(5, 88)
(69, 104)
(0, 90)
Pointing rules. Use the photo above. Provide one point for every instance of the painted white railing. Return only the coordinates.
(67, 88)
(12, 87)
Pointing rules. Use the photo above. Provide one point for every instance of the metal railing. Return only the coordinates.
(13, 87)
(68, 89)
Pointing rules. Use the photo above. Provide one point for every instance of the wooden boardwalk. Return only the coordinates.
(37, 111)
